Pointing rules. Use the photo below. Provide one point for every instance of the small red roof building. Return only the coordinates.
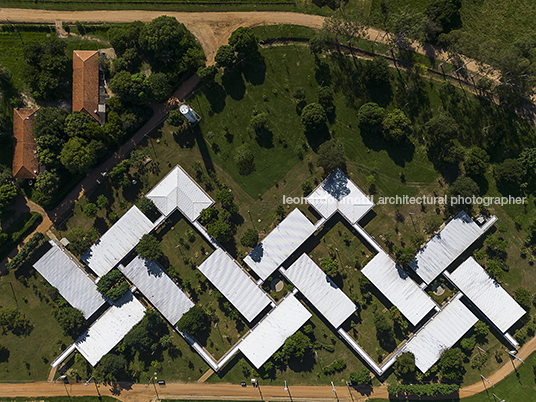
(86, 82)
(25, 163)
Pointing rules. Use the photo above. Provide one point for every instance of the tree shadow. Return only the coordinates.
(401, 153)
(254, 70)
(234, 84)
(317, 137)
(215, 95)
(100, 224)
(265, 138)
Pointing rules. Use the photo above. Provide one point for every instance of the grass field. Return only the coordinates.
(63, 399)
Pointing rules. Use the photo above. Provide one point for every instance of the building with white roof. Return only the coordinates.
(235, 284)
(338, 193)
(273, 330)
(177, 190)
(110, 328)
(397, 286)
(445, 329)
(280, 243)
(486, 294)
(320, 290)
(117, 242)
(74, 285)
(446, 246)
(158, 288)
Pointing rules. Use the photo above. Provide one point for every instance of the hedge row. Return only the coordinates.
(423, 389)
(26, 251)
(27, 28)
(18, 236)
(337, 365)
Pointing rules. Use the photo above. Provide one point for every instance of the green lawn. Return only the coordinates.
(63, 399)
(30, 355)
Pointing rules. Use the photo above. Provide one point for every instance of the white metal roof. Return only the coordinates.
(75, 286)
(156, 286)
(338, 193)
(487, 294)
(235, 284)
(178, 190)
(118, 241)
(271, 333)
(280, 243)
(440, 333)
(320, 290)
(445, 247)
(398, 287)
(110, 328)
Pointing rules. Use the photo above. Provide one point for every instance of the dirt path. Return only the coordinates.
(212, 29)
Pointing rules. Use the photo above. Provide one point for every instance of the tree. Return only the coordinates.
(146, 206)
(464, 187)
(370, 117)
(481, 330)
(47, 182)
(527, 159)
(361, 377)
(440, 131)
(297, 346)
(111, 367)
(244, 160)
(125, 37)
(113, 285)
(396, 126)
(170, 46)
(46, 68)
(102, 201)
(48, 130)
(149, 248)
(467, 345)
(508, 174)
(225, 197)
(331, 156)
(208, 215)
(330, 266)
(77, 156)
(90, 210)
(325, 98)
(158, 86)
(476, 164)
(176, 118)
(313, 116)
(70, 319)
(194, 322)
(404, 255)
(404, 366)
(82, 125)
(384, 330)
(225, 56)
(250, 238)
(259, 122)
(451, 365)
(317, 44)
(207, 74)
(523, 297)
(130, 88)
(7, 193)
(243, 40)
(220, 230)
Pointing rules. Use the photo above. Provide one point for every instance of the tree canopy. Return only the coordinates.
(225, 56)
(396, 126)
(149, 248)
(194, 322)
(451, 365)
(77, 155)
(113, 285)
(243, 40)
(313, 116)
(331, 156)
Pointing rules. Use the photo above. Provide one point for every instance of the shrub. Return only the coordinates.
(361, 377)
(70, 319)
(336, 366)
(90, 210)
(244, 160)
(330, 266)
(423, 389)
(26, 250)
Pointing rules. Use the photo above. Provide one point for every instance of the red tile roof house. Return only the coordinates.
(25, 163)
(86, 82)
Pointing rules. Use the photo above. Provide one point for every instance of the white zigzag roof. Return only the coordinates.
(178, 190)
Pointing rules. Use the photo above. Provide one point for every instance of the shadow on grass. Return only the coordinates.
(234, 84)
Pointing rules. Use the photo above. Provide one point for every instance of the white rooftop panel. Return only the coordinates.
(338, 192)
(445, 247)
(271, 333)
(74, 285)
(178, 190)
(110, 328)
(320, 290)
(398, 287)
(280, 243)
(487, 294)
(118, 241)
(440, 333)
(156, 286)
(235, 284)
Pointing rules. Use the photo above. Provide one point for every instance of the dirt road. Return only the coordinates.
(212, 29)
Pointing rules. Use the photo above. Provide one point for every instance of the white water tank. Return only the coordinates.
(188, 112)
